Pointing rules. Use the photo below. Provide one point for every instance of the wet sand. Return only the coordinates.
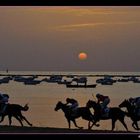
(35, 130)
(18, 132)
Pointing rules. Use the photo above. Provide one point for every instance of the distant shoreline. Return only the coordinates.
(83, 75)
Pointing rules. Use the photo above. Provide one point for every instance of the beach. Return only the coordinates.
(16, 132)
(52, 130)
(43, 97)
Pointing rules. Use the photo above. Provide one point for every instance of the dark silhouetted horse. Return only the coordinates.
(14, 110)
(115, 113)
(134, 117)
(83, 112)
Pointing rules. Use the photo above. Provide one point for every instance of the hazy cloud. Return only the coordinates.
(50, 38)
(73, 27)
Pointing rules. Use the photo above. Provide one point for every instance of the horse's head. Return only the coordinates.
(90, 104)
(58, 106)
(125, 103)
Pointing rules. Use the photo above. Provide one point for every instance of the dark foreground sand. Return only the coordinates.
(49, 130)
(18, 132)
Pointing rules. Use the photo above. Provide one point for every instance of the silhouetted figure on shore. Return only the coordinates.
(7, 70)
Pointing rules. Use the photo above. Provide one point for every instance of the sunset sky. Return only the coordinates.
(51, 38)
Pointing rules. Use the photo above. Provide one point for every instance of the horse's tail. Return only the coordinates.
(25, 108)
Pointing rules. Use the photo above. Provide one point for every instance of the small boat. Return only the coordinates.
(32, 82)
(81, 86)
(64, 82)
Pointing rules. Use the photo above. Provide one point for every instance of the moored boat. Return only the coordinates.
(81, 86)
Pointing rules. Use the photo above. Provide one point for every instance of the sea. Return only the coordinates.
(42, 98)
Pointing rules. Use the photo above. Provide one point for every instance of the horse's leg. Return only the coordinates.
(19, 120)
(10, 119)
(124, 124)
(113, 124)
(89, 125)
(27, 121)
(135, 124)
(76, 124)
(22, 117)
(94, 123)
(68, 122)
(2, 118)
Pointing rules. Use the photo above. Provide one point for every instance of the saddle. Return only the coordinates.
(105, 112)
(73, 112)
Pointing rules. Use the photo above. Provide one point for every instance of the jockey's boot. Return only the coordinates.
(106, 110)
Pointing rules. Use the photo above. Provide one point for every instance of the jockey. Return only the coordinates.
(103, 101)
(72, 103)
(3, 102)
(135, 102)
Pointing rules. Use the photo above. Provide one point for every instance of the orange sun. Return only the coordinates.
(82, 56)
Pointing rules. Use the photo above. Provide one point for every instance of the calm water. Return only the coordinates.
(43, 97)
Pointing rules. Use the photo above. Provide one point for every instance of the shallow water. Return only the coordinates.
(43, 97)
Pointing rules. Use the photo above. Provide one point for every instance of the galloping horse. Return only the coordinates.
(14, 110)
(134, 117)
(83, 112)
(115, 113)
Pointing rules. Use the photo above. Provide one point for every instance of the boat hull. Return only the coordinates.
(81, 86)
